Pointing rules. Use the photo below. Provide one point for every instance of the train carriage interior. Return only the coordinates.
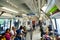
(29, 19)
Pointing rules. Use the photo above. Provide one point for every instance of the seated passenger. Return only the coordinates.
(3, 37)
(7, 34)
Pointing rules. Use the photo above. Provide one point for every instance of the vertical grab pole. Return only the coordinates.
(10, 24)
(52, 28)
(39, 11)
(31, 31)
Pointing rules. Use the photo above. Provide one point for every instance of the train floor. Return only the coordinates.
(35, 35)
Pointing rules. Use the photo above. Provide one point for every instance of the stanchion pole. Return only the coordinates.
(31, 31)
(10, 24)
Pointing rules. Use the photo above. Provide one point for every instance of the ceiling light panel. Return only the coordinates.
(9, 9)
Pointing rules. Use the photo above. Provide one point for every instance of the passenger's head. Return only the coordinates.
(24, 27)
(13, 28)
(7, 30)
(3, 34)
(21, 27)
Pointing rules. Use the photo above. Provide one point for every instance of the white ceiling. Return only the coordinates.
(17, 5)
(21, 6)
(58, 3)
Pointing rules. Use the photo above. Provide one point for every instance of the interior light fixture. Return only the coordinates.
(44, 8)
(24, 15)
(9, 9)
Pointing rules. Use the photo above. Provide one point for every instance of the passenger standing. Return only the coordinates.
(24, 32)
(33, 25)
(13, 33)
(19, 34)
(7, 34)
(41, 28)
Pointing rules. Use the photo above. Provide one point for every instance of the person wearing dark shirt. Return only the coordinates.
(18, 37)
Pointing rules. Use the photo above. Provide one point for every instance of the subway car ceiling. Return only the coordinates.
(57, 3)
(18, 8)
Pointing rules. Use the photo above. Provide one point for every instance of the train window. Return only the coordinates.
(53, 21)
(16, 23)
(58, 25)
(4, 24)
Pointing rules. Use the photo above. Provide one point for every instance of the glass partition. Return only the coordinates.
(4, 24)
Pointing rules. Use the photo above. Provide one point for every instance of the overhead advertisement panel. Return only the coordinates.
(53, 10)
(49, 7)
